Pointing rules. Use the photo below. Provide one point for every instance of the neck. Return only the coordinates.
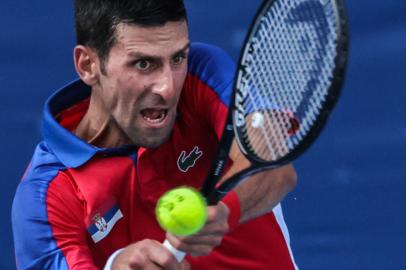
(99, 128)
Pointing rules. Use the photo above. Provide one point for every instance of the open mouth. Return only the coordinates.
(154, 116)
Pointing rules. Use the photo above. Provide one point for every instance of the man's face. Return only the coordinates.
(143, 79)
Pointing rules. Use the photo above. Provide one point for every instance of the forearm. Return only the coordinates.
(263, 191)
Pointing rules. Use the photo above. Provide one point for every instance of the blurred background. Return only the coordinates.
(349, 208)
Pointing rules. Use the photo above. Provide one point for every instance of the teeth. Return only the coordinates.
(156, 117)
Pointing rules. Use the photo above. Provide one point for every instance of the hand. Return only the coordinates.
(210, 236)
(147, 255)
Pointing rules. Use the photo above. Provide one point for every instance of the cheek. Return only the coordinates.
(119, 95)
(180, 79)
(128, 88)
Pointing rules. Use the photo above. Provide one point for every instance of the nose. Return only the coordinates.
(164, 84)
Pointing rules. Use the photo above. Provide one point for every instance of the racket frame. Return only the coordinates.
(209, 190)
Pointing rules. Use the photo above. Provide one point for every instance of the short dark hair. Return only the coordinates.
(96, 20)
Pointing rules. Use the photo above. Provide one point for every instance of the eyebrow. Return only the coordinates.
(148, 56)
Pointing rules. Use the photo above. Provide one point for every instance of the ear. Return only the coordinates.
(87, 64)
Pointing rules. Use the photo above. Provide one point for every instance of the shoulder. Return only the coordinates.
(210, 71)
(30, 210)
(210, 64)
(43, 187)
(31, 194)
(207, 54)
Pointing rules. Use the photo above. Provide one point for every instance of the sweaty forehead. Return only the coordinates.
(135, 38)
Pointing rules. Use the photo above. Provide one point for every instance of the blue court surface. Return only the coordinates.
(348, 211)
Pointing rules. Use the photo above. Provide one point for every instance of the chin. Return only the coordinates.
(151, 141)
(152, 144)
(150, 137)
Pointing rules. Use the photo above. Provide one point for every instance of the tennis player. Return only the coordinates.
(145, 116)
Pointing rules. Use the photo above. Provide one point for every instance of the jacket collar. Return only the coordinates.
(71, 150)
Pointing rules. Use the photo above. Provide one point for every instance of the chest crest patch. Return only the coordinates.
(187, 161)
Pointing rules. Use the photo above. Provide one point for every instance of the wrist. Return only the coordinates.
(232, 201)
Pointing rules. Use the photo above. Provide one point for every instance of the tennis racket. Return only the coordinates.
(289, 77)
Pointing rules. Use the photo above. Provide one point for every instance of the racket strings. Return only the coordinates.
(288, 71)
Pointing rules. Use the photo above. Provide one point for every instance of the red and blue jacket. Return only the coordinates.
(78, 203)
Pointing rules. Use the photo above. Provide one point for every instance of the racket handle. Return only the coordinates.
(179, 255)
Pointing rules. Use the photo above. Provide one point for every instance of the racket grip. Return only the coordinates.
(179, 255)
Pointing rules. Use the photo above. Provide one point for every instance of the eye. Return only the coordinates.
(178, 59)
(143, 64)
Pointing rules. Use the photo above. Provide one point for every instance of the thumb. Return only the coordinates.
(184, 265)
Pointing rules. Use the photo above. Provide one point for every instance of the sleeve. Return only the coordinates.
(48, 226)
(211, 74)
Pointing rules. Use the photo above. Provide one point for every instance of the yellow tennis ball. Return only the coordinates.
(181, 211)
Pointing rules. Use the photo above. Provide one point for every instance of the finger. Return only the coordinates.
(197, 250)
(217, 213)
(210, 239)
(149, 266)
(185, 265)
(198, 246)
(161, 256)
(146, 254)
(212, 229)
(200, 250)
